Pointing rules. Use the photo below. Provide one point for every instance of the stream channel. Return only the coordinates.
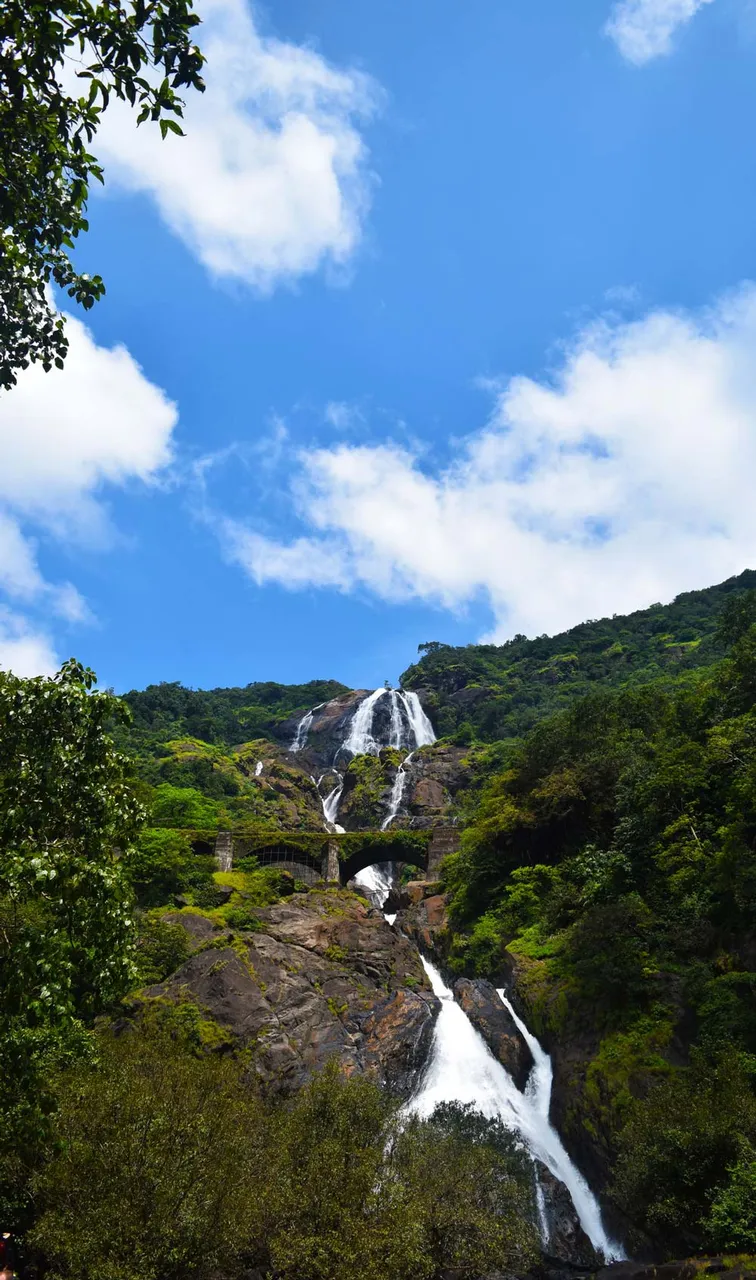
(461, 1067)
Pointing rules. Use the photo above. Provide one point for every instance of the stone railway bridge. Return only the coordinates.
(330, 867)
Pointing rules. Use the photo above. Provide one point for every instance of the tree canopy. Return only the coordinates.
(67, 818)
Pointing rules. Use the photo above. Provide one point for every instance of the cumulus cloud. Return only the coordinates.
(624, 478)
(65, 437)
(644, 29)
(66, 433)
(271, 180)
(24, 650)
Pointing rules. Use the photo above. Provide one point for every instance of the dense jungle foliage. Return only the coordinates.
(494, 692)
(227, 717)
(615, 860)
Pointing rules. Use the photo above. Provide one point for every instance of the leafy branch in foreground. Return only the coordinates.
(46, 129)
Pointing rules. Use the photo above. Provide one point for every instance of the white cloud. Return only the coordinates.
(65, 437)
(343, 416)
(644, 29)
(65, 433)
(24, 650)
(271, 178)
(626, 478)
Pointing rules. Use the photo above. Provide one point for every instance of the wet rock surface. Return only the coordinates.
(324, 977)
(567, 1241)
(496, 1025)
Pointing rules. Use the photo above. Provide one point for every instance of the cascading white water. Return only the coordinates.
(420, 725)
(397, 792)
(360, 741)
(463, 1069)
(461, 1066)
(538, 1088)
(396, 732)
(258, 768)
(331, 805)
(418, 731)
(303, 728)
(376, 884)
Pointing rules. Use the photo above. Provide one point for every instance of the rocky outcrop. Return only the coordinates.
(326, 733)
(567, 1241)
(496, 1025)
(424, 918)
(324, 977)
(434, 776)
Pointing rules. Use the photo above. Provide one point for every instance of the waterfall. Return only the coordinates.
(409, 726)
(360, 741)
(258, 768)
(397, 728)
(331, 804)
(376, 884)
(419, 723)
(303, 728)
(397, 792)
(463, 1069)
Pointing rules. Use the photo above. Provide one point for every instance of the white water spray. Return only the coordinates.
(463, 1069)
(421, 727)
(397, 792)
(258, 768)
(360, 741)
(303, 728)
(396, 732)
(331, 805)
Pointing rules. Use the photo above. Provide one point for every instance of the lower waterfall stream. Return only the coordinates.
(461, 1067)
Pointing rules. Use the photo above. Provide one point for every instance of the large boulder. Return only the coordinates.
(496, 1025)
(324, 977)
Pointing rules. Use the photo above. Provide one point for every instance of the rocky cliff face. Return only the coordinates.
(496, 1025)
(434, 777)
(325, 976)
(326, 731)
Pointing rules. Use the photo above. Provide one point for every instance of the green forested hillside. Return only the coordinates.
(494, 692)
(224, 716)
(613, 864)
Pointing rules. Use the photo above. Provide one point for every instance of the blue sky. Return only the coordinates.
(438, 324)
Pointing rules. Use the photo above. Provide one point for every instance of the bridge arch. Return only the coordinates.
(363, 858)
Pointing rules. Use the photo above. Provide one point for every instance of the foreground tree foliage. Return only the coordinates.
(165, 1165)
(67, 813)
(61, 61)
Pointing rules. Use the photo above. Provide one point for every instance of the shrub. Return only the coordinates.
(156, 1166)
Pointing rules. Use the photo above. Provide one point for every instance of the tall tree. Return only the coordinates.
(113, 47)
(67, 815)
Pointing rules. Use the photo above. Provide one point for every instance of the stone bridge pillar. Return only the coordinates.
(443, 841)
(224, 850)
(330, 872)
